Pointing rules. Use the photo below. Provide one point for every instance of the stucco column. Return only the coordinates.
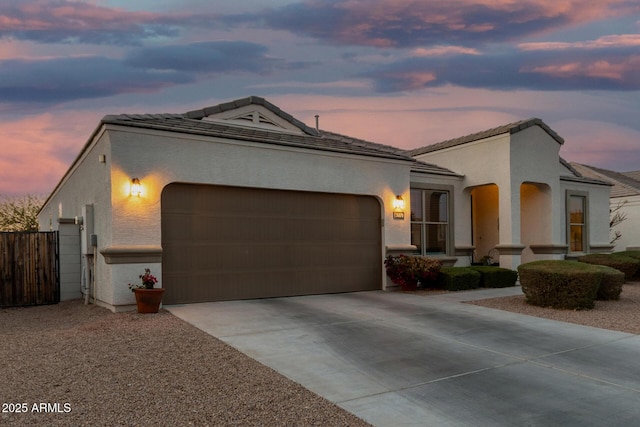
(509, 248)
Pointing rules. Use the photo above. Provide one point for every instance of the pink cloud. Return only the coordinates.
(445, 50)
(64, 21)
(613, 69)
(38, 15)
(618, 40)
(406, 23)
(37, 150)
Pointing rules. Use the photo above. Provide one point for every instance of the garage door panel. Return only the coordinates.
(241, 228)
(234, 256)
(232, 285)
(224, 243)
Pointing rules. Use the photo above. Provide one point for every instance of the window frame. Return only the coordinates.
(449, 237)
(585, 221)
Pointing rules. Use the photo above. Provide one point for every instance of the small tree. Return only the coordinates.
(616, 217)
(20, 213)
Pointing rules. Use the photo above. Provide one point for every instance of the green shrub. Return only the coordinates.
(411, 271)
(611, 283)
(626, 264)
(458, 278)
(560, 284)
(496, 277)
(631, 254)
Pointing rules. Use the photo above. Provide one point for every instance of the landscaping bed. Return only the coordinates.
(618, 315)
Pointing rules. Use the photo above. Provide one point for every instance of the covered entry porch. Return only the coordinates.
(512, 226)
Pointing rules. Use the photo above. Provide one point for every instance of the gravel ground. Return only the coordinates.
(622, 315)
(96, 368)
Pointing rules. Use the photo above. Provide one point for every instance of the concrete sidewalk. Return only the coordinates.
(401, 359)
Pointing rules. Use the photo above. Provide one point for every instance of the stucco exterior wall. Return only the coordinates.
(86, 183)
(630, 227)
(519, 197)
(496, 170)
(535, 172)
(481, 162)
(159, 158)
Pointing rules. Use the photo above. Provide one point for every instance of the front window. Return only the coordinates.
(430, 221)
(577, 223)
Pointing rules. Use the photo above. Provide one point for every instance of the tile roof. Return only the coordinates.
(422, 167)
(324, 141)
(510, 128)
(624, 185)
(191, 123)
(633, 174)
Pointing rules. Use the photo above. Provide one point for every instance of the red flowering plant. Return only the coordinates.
(147, 279)
(411, 272)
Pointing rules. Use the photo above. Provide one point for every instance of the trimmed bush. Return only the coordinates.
(411, 271)
(560, 284)
(611, 284)
(626, 264)
(631, 254)
(496, 277)
(458, 278)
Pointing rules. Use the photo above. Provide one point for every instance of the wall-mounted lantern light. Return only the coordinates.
(136, 187)
(398, 207)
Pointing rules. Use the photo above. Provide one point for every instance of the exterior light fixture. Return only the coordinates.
(136, 188)
(398, 207)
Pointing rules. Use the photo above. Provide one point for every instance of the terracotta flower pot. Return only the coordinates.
(148, 300)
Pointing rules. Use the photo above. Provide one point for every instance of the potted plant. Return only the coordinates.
(148, 298)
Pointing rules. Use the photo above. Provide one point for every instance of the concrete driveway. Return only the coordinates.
(399, 359)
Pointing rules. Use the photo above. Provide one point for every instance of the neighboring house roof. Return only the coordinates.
(624, 185)
(633, 174)
(510, 128)
(578, 177)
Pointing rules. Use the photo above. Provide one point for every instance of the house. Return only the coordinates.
(242, 200)
(520, 200)
(625, 198)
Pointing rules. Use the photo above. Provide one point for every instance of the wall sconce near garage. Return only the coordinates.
(398, 207)
(136, 187)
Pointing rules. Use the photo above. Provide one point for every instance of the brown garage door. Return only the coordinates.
(225, 243)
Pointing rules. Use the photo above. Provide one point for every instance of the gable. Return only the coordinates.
(508, 129)
(252, 112)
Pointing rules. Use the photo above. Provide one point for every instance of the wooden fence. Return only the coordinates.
(29, 269)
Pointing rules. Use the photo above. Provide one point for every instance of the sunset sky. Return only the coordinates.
(406, 73)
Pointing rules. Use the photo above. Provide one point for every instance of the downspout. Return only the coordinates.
(85, 288)
(93, 276)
